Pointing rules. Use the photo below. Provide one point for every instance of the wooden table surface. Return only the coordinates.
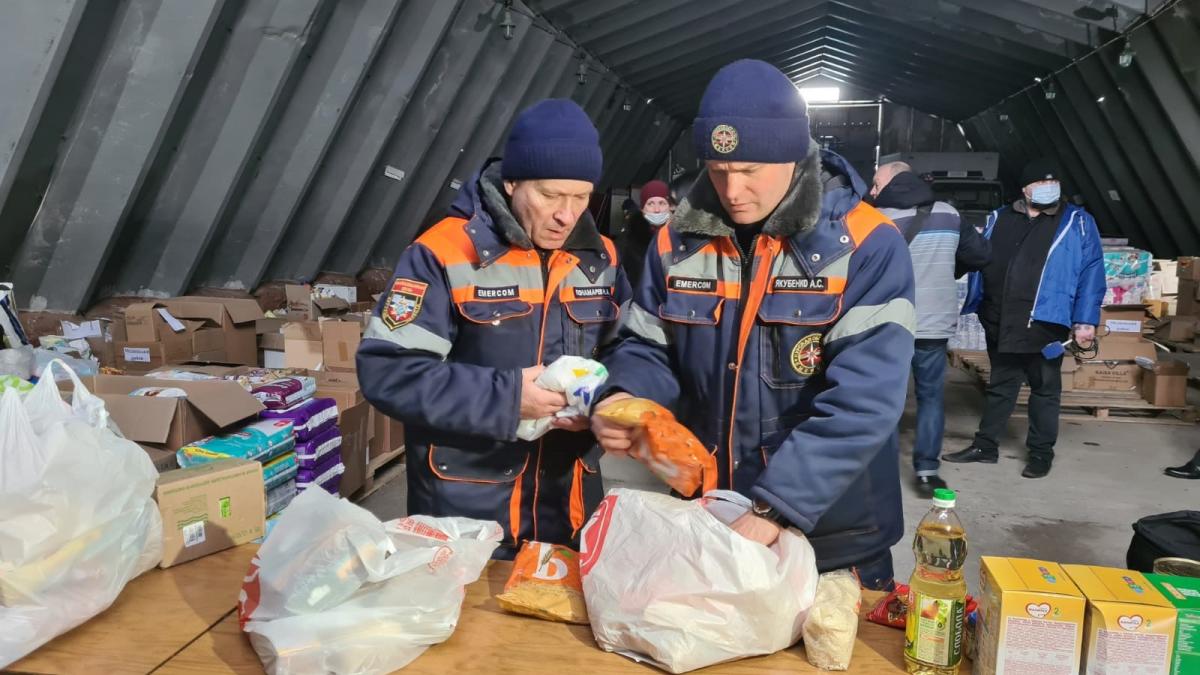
(490, 640)
(156, 616)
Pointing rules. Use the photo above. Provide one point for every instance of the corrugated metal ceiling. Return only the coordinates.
(150, 147)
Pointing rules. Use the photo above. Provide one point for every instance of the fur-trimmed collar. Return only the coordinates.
(494, 200)
(701, 212)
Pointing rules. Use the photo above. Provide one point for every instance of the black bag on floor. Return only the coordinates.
(1166, 535)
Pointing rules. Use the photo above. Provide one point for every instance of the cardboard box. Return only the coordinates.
(1130, 626)
(1189, 304)
(1158, 308)
(322, 345)
(143, 357)
(209, 508)
(1031, 618)
(389, 434)
(1188, 268)
(1124, 322)
(1177, 328)
(355, 426)
(169, 423)
(1165, 278)
(235, 317)
(1166, 384)
(1114, 368)
(164, 460)
(1184, 594)
(341, 387)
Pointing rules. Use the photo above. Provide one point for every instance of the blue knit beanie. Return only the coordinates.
(751, 112)
(553, 139)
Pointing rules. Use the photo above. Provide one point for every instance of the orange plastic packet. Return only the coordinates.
(545, 583)
(666, 447)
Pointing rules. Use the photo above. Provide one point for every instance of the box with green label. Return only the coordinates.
(1184, 593)
(209, 508)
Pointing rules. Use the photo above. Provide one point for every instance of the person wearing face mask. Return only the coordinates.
(655, 212)
(1045, 283)
(514, 278)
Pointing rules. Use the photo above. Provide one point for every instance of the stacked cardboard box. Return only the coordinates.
(1115, 367)
(156, 334)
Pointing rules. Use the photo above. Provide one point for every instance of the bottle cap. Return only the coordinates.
(944, 498)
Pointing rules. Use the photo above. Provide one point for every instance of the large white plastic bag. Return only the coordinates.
(334, 590)
(668, 582)
(77, 518)
(575, 376)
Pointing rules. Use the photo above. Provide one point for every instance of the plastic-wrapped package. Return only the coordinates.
(545, 583)
(285, 392)
(279, 471)
(669, 449)
(312, 452)
(576, 377)
(262, 441)
(832, 623)
(334, 590)
(668, 581)
(279, 497)
(309, 419)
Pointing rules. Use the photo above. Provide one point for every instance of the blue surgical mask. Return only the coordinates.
(1045, 195)
(657, 218)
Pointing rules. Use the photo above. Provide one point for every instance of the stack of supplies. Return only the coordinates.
(270, 442)
(285, 392)
(318, 443)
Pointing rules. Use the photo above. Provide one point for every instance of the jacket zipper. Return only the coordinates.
(1038, 293)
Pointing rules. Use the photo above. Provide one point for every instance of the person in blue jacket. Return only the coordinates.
(516, 277)
(775, 318)
(1044, 283)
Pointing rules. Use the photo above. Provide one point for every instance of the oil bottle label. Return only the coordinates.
(933, 632)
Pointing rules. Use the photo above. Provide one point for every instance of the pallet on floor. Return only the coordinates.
(381, 471)
(1105, 406)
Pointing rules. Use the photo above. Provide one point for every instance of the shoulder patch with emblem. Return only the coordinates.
(806, 355)
(403, 303)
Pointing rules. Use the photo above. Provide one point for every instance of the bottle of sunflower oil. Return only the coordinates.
(933, 635)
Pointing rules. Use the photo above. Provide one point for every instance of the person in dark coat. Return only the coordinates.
(1045, 283)
(655, 212)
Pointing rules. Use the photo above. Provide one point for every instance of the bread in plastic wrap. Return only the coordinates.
(832, 624)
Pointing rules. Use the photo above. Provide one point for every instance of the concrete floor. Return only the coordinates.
(1106, 476)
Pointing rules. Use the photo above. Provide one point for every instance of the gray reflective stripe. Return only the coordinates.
(863, 318)
(610, 332)
(645, 325)
(495, 275)
(408, 336)
(697, 266)
(838, 268)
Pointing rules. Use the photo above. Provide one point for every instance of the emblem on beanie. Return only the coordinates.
(724, 139)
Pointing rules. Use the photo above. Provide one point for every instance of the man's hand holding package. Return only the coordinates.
(535, 401)
(616, 439)
(756, 528)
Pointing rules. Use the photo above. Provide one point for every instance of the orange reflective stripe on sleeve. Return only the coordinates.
(514, 510)
(862, 221)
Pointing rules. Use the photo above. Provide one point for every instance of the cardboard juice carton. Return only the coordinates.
(1184, 594)
(1030, 620)
(1130, 625)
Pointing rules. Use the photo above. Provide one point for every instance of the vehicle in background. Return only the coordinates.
(968, 181)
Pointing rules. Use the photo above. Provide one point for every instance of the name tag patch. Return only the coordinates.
(500, 293)
(592, 291)
(801, 284)
(696, 285)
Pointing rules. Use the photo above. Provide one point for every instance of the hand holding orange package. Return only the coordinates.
(545, 583)
(666, 447)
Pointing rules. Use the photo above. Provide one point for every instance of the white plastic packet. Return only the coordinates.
(77, 517)
(667, 581)
(832, 625)
(335, 590)
(575, 376)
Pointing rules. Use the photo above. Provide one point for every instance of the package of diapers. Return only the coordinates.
(260, 441)
(314, 452)
(284, 392)
(309, 418)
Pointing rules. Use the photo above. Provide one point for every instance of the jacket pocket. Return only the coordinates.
(695, 308)
(500, 465)
(586, 323)
(495, 311)
(791, 336)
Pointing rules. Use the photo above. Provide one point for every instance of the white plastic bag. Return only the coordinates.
(334, 590)
(77, 518)
(575, 376)
(668, 582)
